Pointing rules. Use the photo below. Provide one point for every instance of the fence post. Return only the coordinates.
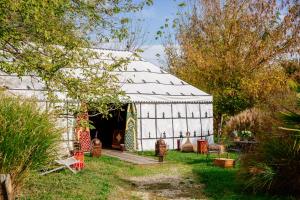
(6, 190)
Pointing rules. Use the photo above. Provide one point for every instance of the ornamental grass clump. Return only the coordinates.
(28, 138)
(250, 119)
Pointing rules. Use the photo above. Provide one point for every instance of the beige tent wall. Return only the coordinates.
(171, 121)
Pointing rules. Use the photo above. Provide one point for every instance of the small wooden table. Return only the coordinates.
(245, 146)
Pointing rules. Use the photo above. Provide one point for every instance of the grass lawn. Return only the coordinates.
(107, 178)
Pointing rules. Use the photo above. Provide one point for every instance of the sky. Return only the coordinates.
(151, 18)
(154, 17)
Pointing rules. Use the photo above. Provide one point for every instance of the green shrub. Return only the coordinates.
(274, 166)
(28, 138)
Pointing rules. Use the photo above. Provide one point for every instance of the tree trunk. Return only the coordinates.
(6, 190)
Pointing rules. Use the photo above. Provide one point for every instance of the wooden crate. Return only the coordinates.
(224, 162)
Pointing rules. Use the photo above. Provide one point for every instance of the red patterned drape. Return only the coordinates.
(83, 133)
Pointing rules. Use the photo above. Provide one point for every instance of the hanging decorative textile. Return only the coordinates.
(83, 132)
(131, 128)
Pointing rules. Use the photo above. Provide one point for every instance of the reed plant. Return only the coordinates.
(28, 138)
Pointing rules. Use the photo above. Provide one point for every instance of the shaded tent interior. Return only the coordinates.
(111, 129)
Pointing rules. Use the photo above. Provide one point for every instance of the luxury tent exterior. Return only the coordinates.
(158, 104)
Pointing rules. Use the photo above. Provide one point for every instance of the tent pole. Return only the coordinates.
(141, 126)
(172, 126)
(68, 136)
(155, 120)
(186, 118)
(200, 121)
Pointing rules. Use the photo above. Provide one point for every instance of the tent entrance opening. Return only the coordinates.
(110, 130)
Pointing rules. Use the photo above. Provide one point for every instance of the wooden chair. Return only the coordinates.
(217, 151)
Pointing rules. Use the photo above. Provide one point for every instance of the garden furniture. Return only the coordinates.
(65, 163)
(245, 146)
(219, 161)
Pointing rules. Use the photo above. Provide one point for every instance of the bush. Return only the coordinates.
(28, 138)
(274, 166)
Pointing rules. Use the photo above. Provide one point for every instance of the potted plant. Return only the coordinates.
(245, 135)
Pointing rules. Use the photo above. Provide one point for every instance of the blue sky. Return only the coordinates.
(154, 16)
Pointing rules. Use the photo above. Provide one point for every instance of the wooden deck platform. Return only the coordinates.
(130, 157)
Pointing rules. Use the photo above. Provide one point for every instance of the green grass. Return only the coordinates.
(104, 178)
(219, 183)
(99, 179)
(94, 182)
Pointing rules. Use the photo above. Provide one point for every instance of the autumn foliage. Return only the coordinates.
(232, 49)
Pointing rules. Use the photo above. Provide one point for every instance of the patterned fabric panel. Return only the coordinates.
(83, 133)
(85, 140)
(131, 128)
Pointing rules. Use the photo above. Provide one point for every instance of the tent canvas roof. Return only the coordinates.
(142, 81)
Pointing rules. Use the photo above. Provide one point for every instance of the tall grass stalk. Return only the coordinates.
(28, 138)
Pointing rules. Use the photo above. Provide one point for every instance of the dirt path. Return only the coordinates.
(166, 187)
(162, 186)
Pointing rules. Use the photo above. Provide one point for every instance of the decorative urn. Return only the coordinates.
(160, 149)
(187, 146)
(96, 148)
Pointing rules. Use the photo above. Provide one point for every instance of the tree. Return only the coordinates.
(230, 49)
(292, 69)
(135, 39)
(51, 39)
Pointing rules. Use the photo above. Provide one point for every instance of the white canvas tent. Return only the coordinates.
(162, 105)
